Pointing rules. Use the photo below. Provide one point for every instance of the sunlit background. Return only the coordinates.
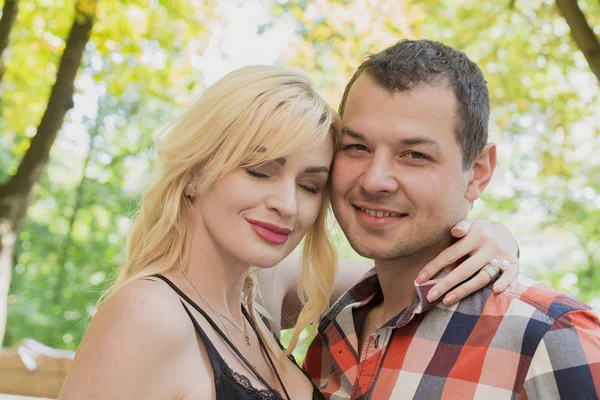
(146, 60)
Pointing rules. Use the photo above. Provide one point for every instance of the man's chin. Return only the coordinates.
(374, 252)
(383, 252)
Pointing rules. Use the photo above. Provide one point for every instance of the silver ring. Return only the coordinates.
(491, 271)
(500, 265)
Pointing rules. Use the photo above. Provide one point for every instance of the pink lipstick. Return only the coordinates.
(269, 232)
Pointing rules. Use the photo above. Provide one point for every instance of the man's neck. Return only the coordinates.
(397, 285)
(396, 278)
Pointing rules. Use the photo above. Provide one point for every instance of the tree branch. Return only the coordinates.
(60, 101)
(582, 33)
(9, 15)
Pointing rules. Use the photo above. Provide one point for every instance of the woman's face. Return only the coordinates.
(259, 215)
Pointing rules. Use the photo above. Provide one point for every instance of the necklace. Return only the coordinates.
(221, 316)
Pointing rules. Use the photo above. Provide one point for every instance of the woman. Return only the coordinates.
(243, 178)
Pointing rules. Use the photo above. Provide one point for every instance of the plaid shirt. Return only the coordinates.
(530, 342)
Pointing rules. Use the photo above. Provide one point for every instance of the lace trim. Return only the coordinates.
(259, 394)
(244, 382)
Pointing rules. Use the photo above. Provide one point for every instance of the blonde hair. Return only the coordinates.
(218, 133)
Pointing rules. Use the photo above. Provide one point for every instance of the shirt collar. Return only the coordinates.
(368, 287)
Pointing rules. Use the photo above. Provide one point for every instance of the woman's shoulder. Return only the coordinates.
(147, 306)
(138, 333)
(141, 320)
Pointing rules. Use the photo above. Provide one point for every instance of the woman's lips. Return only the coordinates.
(269, 232)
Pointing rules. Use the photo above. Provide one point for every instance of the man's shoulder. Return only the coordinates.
(530, 293)
(561, 339)
(526, 306)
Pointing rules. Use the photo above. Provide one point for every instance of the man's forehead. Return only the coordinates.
(367, 92)
(427, 112)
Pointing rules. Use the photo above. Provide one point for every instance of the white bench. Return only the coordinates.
(32, 369)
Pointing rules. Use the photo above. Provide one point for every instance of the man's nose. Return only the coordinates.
(379, 176)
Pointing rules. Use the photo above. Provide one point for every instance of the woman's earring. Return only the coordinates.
(190, 191)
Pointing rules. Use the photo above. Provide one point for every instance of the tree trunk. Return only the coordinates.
(582, 33)
(9, 14)
(17, 192)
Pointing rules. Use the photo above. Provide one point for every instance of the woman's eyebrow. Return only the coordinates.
(280, 160)
(283, 160)
(317, 170)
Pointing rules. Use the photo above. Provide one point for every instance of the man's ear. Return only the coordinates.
(481, 172)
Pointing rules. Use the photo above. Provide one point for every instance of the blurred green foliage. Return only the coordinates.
(139, 72)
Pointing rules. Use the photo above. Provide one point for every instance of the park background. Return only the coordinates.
(85, 86)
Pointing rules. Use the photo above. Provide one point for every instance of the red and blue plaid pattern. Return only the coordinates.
(530, 342)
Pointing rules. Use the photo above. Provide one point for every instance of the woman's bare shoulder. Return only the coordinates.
(141, 331)
(147, 305)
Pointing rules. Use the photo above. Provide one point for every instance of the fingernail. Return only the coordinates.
(433, 295)
(461, 227)
(498, 287)
(451, 298)
(423, 276)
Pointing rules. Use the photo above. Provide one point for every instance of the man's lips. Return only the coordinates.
(377, 217)
(269, 232)
(378, 212)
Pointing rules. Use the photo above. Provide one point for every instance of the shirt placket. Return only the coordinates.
(370, 361)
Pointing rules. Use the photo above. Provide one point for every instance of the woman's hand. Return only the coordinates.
(479, 243)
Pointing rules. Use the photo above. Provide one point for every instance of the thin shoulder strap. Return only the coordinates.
(290, 356)
(223, 336)
(213, 354)
(264, 348)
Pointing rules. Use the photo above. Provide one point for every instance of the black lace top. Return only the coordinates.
(229, 384)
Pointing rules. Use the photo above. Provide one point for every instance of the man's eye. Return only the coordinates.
(355, 147)
(256, 174)
(418, 156)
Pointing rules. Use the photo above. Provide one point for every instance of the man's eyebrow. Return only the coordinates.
(419, 140)
(280, 160)
(351, 133)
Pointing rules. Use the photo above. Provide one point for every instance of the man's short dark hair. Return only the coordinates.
(410, 63)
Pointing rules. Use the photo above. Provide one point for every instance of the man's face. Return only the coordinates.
(398, 184)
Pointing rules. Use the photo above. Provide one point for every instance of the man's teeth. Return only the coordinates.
(379, 214)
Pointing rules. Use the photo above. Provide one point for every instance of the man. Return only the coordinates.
(414, 155)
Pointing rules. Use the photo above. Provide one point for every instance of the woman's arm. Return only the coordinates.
(285, 302)
(133, 348)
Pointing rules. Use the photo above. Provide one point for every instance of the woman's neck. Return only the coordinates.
(219, 279)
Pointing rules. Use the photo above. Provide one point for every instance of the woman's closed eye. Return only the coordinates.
(312, 189)
(308, 187)
(256, 174)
